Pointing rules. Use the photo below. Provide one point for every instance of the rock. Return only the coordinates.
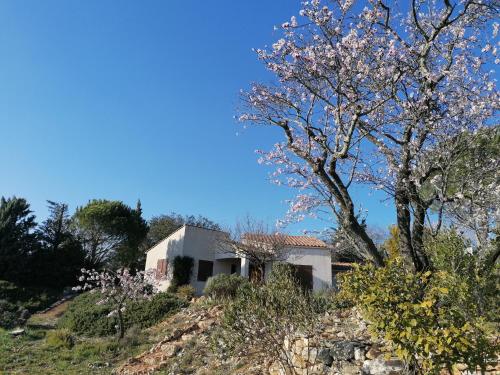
(374, 352)
(381, 367)
(318, 369)
(350, 369)
(205, 324)
(324, 356)
(359, 354)
(169, 350)
(342, 351)
(16, 332)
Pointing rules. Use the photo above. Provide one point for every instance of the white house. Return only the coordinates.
(311, 255)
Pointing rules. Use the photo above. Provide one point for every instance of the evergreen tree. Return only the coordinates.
(18, 241)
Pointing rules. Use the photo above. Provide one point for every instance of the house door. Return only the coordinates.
(255, 274)
(304, 275)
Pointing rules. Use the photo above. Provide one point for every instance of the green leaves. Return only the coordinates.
(425, 317)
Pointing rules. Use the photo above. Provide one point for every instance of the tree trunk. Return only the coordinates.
(363, 242)
(404, 227)
(121, 328)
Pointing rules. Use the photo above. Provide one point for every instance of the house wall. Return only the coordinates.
(320, 260)
(202, 244)
(169, 248)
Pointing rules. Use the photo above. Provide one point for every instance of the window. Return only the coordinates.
(205, 269)
(233, 268)
(304, 275)
(161, 268)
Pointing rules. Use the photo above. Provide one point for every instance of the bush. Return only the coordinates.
(183, 268)
(31, 298)
(9, 314)
(133, 337)
(426, 318)
(324, 300)
(85, 317)
(262, 317)
(60, 338)
(186, 292)
(224, 286)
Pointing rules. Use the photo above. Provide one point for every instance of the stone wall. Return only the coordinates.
(343, 346)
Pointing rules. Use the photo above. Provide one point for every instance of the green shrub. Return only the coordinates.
(426, 318)
(224, 286)
(324, 300)
(149, 312)
(85, 317)
(262, 316)
(186, 291)
(183, 268)
(31, 298)
(60, 338)
(9, 314)
(133, 337)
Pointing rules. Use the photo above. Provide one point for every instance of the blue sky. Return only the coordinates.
(127, 99)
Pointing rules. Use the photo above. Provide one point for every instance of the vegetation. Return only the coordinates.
(223, 287)
(432, 319)
(111, 231)
(59, 352)
(186, 292)
(183, 268)
(261, 317)
(86, 317)
(60, 338)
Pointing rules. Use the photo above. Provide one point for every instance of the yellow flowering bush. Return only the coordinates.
(426, 318)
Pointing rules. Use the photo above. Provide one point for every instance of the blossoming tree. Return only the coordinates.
(117, 289)
(377, 93)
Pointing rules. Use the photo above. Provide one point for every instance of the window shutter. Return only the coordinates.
(161, 268)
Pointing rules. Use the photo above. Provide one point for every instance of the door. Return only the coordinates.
(304, 275)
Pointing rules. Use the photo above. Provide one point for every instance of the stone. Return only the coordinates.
(380, 366)
(373, 352)
(318, 369)
(359, 354)
(350, 369)
(16, 332)
(205, 324)
(324, 356)
(169, 350)
(342, 351)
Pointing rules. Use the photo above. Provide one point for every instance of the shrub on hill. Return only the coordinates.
(428, 318)
(31, 298)
(85, 317)
(261, 317)
(186, 291)
(224, 286)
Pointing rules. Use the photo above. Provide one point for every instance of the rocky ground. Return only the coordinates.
(340, 346)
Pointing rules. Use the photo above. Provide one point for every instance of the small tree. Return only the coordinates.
(255, 241)
(117, 288)
(262, 318)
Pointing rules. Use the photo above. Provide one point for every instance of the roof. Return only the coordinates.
(295, 241)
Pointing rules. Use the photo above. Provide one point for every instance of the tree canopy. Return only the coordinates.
(376, 96)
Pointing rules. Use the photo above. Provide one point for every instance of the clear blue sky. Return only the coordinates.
(135, 99)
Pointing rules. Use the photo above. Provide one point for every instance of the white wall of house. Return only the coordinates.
(168, 249)
(201, 244)
(320, 260)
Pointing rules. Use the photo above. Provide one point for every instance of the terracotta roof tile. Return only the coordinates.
(298, 241)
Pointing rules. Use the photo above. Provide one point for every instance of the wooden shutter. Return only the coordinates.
(161, 268)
